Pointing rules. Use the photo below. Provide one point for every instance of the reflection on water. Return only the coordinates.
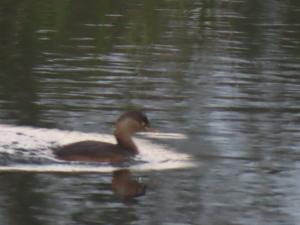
(125, 186)
(224, 73)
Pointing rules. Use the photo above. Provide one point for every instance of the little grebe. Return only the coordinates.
(128, 124)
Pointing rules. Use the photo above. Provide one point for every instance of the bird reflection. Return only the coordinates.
(125, 186)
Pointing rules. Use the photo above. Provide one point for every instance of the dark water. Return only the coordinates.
(225, 73)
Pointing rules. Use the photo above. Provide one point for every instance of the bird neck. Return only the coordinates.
(125, 141)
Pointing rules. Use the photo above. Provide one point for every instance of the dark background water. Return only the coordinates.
(225, 73)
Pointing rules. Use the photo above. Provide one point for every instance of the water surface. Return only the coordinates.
(223, 73)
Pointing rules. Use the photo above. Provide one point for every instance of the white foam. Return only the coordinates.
(160, 135)
(38, 142)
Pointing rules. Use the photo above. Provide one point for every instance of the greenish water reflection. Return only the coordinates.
(225, 73)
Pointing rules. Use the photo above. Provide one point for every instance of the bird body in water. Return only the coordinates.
(96, 151)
